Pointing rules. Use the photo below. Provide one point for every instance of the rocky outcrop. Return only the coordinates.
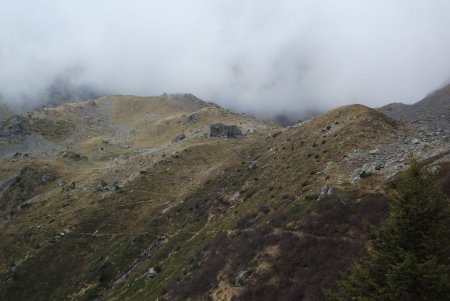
(223, 130)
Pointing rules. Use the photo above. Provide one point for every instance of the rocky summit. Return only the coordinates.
(174, 198)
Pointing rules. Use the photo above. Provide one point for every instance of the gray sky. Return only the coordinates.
(250, 55)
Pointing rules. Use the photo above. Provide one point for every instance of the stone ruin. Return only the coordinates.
(223, 130)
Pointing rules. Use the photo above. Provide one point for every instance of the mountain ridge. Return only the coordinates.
(121, 205)
(432, 111)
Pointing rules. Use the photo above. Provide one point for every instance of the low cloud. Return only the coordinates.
(265, 57)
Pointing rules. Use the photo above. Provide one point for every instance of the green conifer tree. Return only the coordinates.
(409, 254)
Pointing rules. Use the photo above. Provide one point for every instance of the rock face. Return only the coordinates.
(223, 130)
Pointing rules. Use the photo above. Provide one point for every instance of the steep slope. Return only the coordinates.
(288, 215)
(127, 212)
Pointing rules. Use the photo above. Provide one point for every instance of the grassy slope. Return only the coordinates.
(121, 216)
(203, 214)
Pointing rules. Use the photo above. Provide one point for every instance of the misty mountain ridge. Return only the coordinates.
(61, 90)
(174, 198)
(224, 151)
(433, 110)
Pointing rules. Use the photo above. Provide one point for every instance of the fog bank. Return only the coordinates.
(265, 57)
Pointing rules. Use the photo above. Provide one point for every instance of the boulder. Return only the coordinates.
(223, 130)
(153, 272)
(369, 168)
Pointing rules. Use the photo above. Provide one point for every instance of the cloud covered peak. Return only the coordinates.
(265, 57)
